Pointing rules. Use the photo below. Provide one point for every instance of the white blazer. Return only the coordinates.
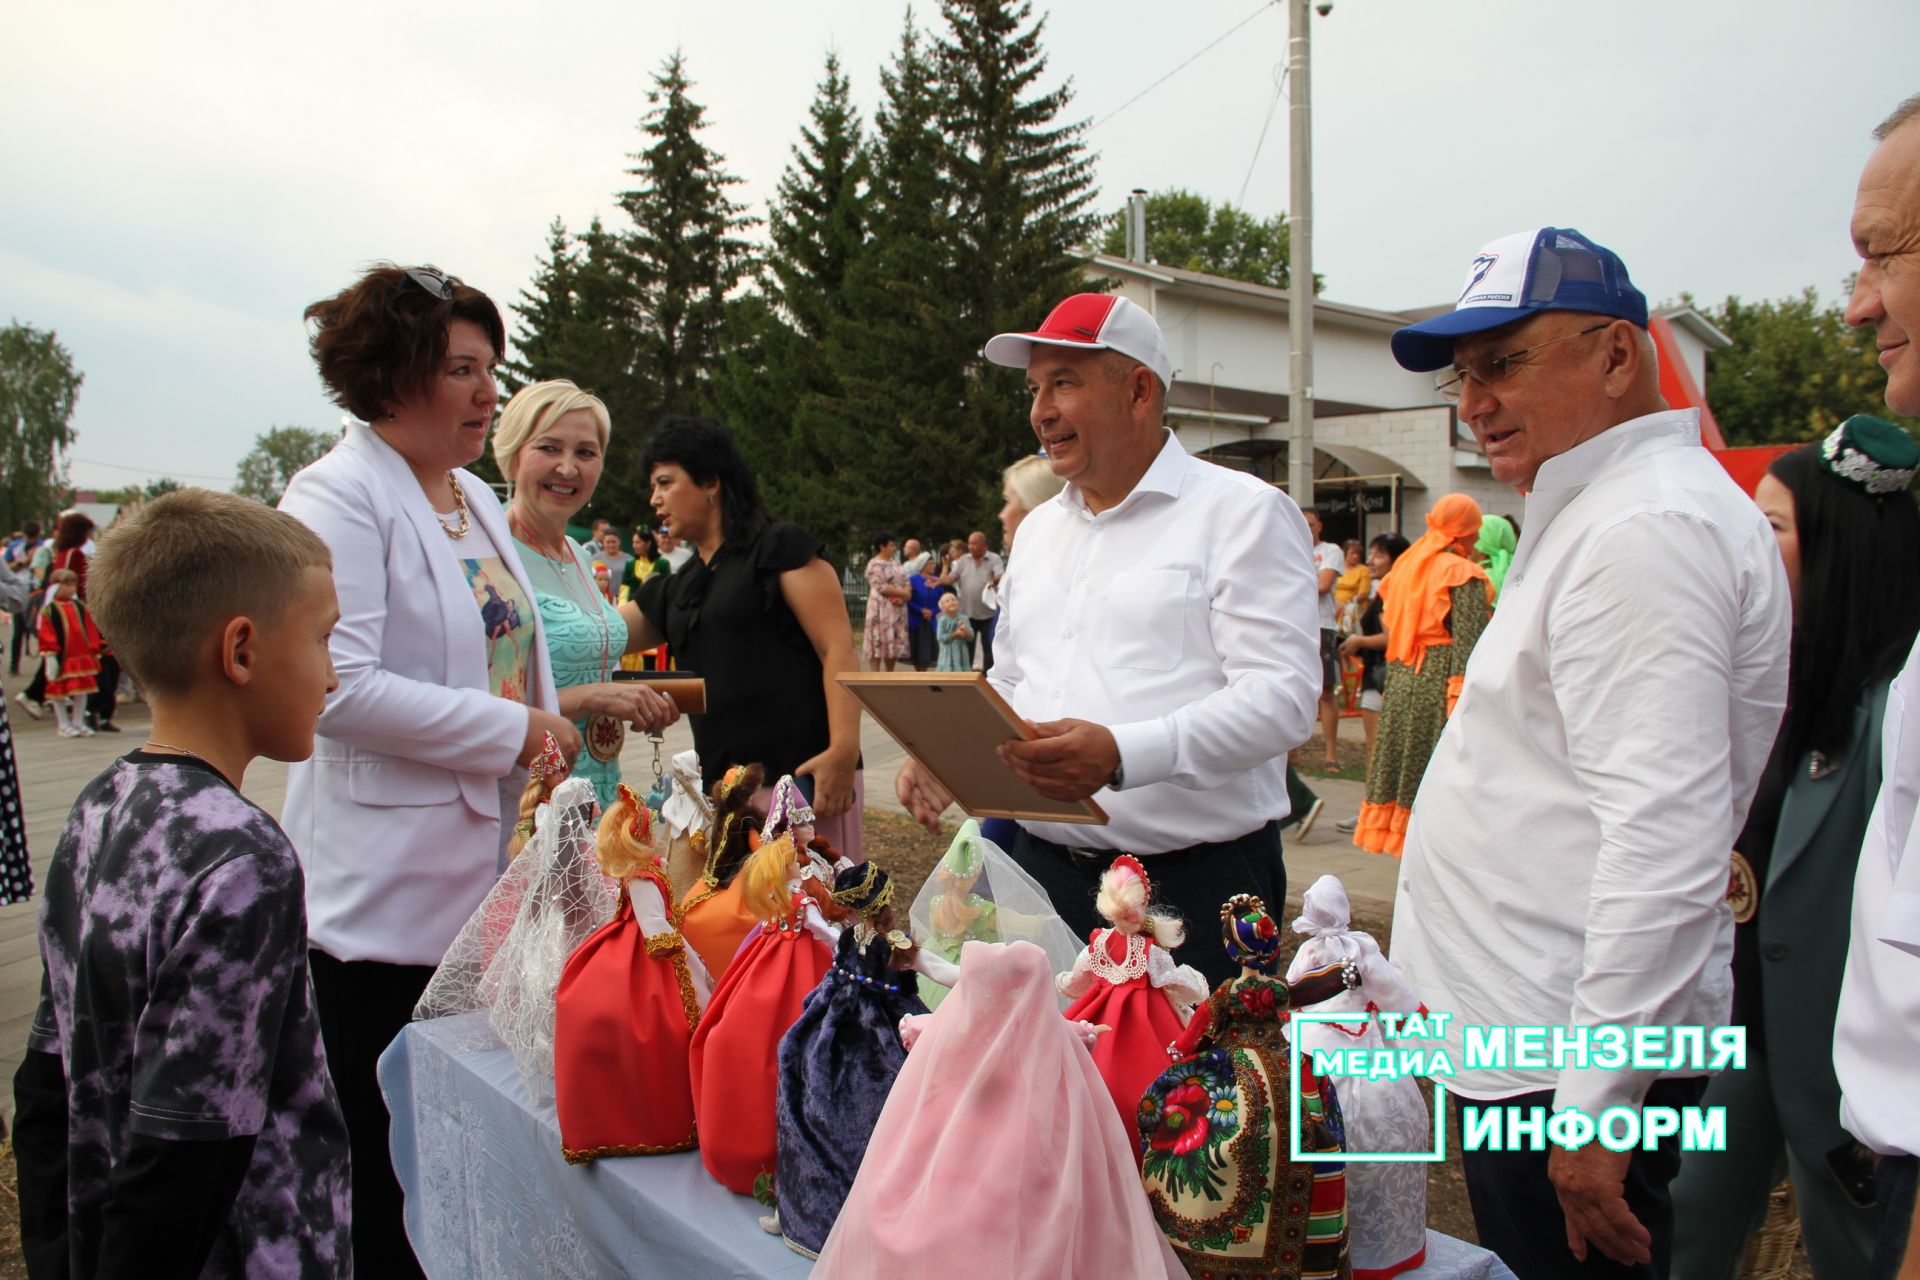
(397, 816)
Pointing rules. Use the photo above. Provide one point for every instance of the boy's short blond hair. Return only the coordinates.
(185, 562)
(60, 577)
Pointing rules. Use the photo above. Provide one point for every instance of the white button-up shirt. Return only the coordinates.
(1567, 859)
(1876, 1038)
(1183, 618)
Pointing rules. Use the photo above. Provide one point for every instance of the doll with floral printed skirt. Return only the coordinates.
(1217, 1131)
(1126, 979)
(733, 1055)
(624, 1016)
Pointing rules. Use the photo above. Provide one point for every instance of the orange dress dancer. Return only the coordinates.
(735, 1054)
(1125, 979)
(625, 1012)
(712, 916)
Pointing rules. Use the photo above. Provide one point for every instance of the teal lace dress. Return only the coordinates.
(583, 643)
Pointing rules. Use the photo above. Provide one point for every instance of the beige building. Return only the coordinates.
(1386, 446)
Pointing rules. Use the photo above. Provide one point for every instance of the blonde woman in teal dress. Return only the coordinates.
(551, 445)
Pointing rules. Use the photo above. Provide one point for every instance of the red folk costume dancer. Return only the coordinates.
(626, 1010)
(70, 648)
(735, 1053)
(1126, 979)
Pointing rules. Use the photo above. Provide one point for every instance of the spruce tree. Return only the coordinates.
(579, 321)
(773, 363)
(547, 312)
(818, 220)
(1021, 184)
(685, 252)
(897, 458)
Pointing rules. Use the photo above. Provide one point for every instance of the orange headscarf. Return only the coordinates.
(1414, 599)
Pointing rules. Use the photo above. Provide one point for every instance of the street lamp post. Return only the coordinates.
(1300, 259)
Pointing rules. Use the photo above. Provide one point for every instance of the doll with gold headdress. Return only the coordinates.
(713, 915)
(625, 1013)
(548, 770)
(841, 1056)
(1216, 1127)
(1126, 979)
(732, 1056)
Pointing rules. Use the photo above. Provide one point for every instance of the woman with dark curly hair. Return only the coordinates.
(759, 613)
(402, 815)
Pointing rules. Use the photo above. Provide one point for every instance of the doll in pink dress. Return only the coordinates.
(1126, 979)
(997, 1152)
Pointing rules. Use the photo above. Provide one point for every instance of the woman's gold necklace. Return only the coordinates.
(465, 526)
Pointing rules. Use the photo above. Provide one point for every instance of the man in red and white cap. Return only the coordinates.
(1158, 630)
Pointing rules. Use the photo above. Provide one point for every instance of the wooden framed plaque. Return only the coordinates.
(951, 721)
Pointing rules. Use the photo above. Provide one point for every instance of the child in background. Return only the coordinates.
(70, 651)
(174, 1111)
(956, 637)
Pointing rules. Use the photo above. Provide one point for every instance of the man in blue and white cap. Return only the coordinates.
(1566, 863)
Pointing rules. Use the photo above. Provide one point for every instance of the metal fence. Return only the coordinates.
(854, 587)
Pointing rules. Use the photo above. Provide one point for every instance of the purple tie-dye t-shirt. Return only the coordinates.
(174, 934)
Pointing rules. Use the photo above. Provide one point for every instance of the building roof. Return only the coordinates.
(1259, 296)
(1237, 404)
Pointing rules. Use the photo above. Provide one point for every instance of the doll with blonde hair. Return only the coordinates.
(628, 1003)
(1126, 978)
(548, 770)
(734, 1053)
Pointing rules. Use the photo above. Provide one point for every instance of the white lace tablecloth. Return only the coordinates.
(490, 1197)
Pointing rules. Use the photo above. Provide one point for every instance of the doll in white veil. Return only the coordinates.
(1386, 1202)
(506, 960)
(977, 893)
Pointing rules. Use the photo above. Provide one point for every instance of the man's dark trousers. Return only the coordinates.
(1518, 1215)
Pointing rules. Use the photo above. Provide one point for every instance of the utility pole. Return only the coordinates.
(1300, 259)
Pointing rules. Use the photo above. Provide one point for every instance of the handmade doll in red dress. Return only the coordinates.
(628, 1002)
(1126, 979)
(734, 1055)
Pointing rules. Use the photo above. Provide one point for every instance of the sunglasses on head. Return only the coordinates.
(434, 281)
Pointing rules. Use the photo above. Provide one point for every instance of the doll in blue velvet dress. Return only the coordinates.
(838, 1061)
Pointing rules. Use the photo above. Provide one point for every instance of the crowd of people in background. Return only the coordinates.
(1667, 669)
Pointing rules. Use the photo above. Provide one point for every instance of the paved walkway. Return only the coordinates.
(54, 769)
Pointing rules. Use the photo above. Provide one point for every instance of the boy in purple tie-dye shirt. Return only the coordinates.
(174, 1112)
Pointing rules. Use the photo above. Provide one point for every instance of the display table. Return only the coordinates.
(489, 1195)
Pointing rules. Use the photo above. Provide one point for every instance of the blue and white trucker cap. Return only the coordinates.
(1521, 275)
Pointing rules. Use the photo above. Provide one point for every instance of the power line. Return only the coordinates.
(1267, 4)
(149, 471)
(1279, 87)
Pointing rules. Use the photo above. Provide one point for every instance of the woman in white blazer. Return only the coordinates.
(445, 692)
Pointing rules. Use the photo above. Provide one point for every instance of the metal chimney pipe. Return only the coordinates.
(1137, 225)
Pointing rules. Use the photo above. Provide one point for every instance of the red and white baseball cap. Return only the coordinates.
(1093, 321)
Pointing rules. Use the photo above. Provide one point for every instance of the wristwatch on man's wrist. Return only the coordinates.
(1119, 778)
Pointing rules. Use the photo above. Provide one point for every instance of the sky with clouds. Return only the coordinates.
(178, 181)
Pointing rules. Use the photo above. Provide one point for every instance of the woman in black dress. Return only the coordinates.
(758, 612)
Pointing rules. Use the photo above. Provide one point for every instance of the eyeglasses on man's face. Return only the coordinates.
(1452, 382)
